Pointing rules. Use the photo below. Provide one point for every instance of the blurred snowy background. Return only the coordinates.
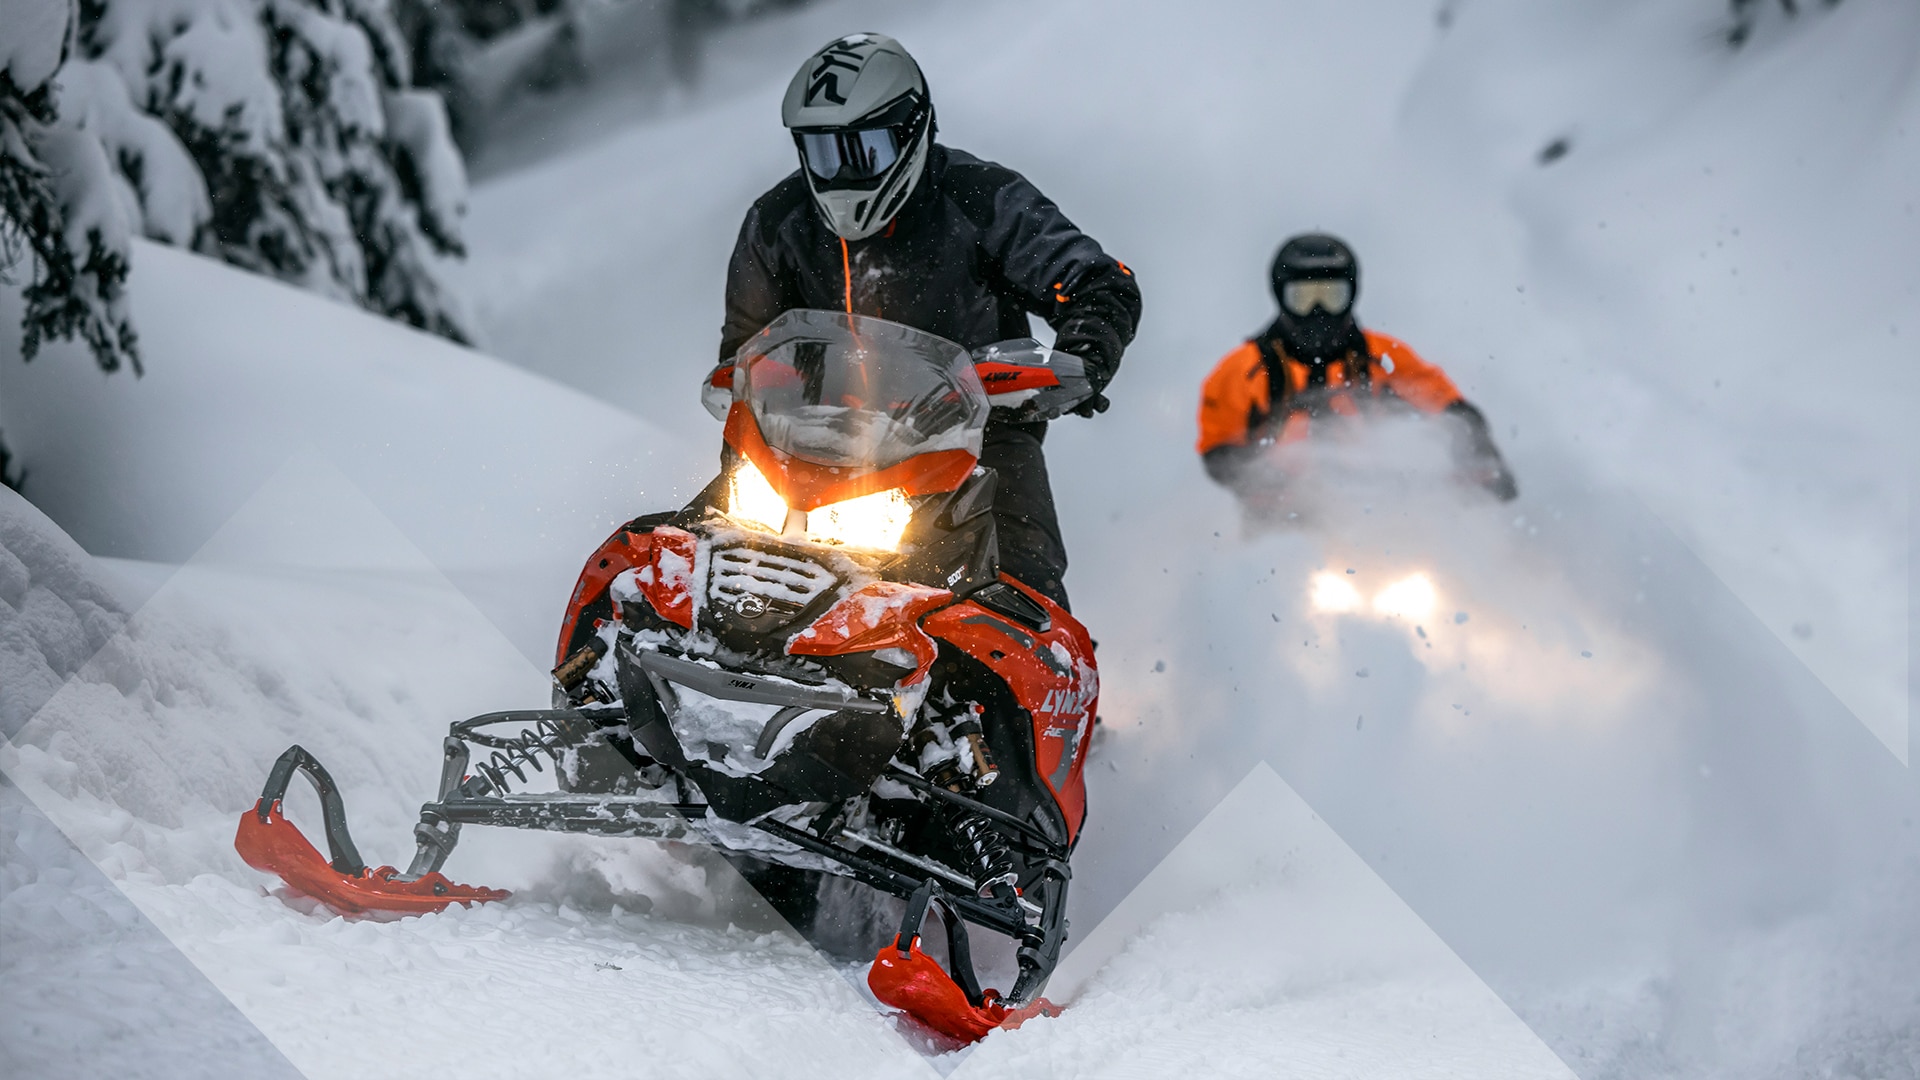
(1629, 797)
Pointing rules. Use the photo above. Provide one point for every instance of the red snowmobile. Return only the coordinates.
(816, 664)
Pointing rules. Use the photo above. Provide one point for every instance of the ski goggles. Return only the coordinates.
(1330, 295)
(843, 158)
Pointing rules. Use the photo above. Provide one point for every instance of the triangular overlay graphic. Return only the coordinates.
(1864, 666)
(309, 617)
(89, 987)
(1263, 945)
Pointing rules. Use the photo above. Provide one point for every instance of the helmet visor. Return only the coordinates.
(849, 157)
(1330, 295)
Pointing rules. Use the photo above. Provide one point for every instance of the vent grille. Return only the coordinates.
(784, 584)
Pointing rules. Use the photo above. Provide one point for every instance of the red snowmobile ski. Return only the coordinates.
(816, 664)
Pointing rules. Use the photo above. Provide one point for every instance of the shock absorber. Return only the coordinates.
(514, 754)
(990, 855)
(958, 746)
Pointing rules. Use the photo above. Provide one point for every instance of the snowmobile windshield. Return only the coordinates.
(857, 392)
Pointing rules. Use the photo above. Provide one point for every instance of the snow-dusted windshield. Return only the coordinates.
(848, 390)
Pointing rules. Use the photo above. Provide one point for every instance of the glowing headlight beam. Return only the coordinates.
(1333, 593)
(1409, 598)
(870, 521)
(752, 499)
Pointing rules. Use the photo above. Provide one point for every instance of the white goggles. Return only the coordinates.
(1330, 295)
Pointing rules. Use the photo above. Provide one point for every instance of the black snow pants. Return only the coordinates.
(1030, 545)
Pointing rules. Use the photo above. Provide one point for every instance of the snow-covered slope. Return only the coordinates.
(502, 477)
(1595, 768)
(87, 984)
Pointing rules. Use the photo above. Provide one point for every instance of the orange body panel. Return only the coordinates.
(1053, 675)
(877, 615)
(667, 578)
(619, 553)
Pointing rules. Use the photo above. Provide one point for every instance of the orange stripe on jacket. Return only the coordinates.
(1236, 399)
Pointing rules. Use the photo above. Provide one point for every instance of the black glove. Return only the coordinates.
(1098, 403)
(1477, 457)
(1099, 374)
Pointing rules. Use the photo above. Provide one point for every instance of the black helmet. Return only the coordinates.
(1316, 278)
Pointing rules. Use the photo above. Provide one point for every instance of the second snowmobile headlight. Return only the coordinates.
(1411, 597)
(1334, 594)
(870, 521)
(751, 499)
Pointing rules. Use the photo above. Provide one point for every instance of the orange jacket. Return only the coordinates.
(1237, 405)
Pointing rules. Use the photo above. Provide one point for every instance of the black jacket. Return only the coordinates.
(975, 249)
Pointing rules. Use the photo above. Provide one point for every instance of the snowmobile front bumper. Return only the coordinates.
(953, 1004)
(272, 844)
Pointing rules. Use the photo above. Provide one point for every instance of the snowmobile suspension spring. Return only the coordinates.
(546, 738)
(992, 857)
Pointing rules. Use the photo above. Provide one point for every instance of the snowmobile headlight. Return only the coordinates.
(1334, 594)
(751, 499)
(874, 521)
(1409, 598)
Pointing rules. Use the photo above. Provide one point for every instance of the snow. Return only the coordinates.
(58, 615)
(211, 64)
(341, 58)
(375, 398)
(36, 31)
(88, 985)
(1278, 944)
(167, 195)
(417, 121)
(1596, 806)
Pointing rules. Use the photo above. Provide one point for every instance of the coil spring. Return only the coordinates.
(510, 753)
(992, 857)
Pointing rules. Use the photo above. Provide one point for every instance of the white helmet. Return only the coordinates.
(859, 113)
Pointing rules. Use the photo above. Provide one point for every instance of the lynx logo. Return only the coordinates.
(1069, 702)
(825, 79)
(744, 684)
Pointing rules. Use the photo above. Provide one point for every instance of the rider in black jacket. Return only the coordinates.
(880, 220)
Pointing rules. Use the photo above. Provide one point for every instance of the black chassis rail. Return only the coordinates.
(650, 818)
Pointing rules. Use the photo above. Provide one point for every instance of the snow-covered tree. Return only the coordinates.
(281, 135)
(1748, 14)
(319, 162)
(63, 217)
(284, 136)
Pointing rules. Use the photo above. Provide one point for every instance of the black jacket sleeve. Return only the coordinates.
(757, 292)
(1476, 456)
(1057, 271)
